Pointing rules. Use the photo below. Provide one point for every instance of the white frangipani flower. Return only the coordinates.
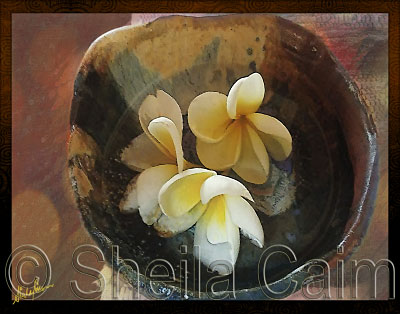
(161, 142)
(219, 205)
(173, 196)
(157, 153)
(230, 134)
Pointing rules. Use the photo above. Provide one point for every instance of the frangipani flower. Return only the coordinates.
(158, 151)
(161, 143)
(218, 206)
(230, 134)
(179, 200)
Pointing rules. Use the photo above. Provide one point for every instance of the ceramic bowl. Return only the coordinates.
(319, 199)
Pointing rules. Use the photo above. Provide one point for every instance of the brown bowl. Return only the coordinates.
(320, 198)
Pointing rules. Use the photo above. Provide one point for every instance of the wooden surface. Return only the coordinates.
(47, 50)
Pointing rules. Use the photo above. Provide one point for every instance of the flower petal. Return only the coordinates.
(129, 203)
(182, 192)
(244, 216)
(216, 227)
(224, 154)
(233, 234)
(161, 105)
(148, 185)
(149, 217)
(142, 153)
(208, 118)
(170, 226)
(224, 254)
(217, 185)
(253, 163)
(166, 133)
(245, 96)
(274, 134)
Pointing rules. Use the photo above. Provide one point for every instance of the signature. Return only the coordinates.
(30, 292)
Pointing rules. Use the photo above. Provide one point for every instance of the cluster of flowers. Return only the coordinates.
(173, 194)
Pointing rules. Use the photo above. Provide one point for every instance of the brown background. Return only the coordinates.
(392, 7)
(47, 50)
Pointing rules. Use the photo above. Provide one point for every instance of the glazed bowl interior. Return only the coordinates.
(312, 201)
